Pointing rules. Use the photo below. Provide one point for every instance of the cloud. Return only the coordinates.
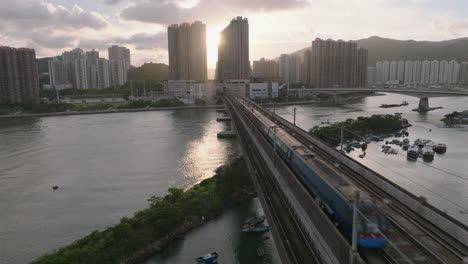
(50, 41)
(449, 24)
(144, 41)
(141, 41)
(111, 2)
(164, 12)
(34, 14)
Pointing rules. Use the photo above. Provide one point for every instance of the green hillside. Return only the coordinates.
(392, 49)
(149, 71)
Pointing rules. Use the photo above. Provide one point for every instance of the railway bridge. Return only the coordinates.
(422, 94)
(305, 228)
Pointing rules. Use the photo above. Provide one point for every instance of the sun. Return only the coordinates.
(212, 40)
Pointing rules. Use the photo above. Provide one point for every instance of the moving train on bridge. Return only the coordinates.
(333, 192)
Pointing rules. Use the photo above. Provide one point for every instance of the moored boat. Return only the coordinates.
(255, 229)
(253, 221)
(208, 258)
(413, 153)
(428, 153)
(440, 148)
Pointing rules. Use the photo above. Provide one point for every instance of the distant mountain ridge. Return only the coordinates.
(391, 49)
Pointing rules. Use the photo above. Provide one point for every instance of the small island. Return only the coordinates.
(456, 118)
(357, 129)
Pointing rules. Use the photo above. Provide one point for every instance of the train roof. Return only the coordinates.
(320, 166)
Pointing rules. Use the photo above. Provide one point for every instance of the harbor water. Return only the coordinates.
(108, 165)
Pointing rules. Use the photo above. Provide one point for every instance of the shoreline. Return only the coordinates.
(168, 218)
(158, 246)
(110, 111)
(148, 109)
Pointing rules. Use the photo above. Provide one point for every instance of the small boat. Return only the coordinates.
(255, 229)
(421, 142)
(404, 103)
(428, 153)
(413, 153)
(253, 221)
(405, 146)
(208, 258)
(440, 148)
(55, 187)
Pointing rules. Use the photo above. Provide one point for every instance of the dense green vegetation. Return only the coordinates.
(199, 101)
(206, 199)
(452, 118)
(149, 72)
(375, 124)
(30, 108)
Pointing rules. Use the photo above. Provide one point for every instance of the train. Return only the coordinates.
(333, 192)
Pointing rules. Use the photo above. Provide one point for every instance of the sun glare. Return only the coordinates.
(212, 39)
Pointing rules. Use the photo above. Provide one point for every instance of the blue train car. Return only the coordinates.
(337, 205)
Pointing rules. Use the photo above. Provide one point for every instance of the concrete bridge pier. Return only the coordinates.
(423, 104)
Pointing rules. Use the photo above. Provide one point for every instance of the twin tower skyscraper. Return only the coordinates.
(187, 51)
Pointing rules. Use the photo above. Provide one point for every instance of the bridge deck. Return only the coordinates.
(415, 231)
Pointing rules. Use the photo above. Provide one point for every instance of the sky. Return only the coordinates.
(276, 26)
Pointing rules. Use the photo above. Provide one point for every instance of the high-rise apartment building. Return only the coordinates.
(385, 71)
(371, 75)
(434, 72)
(417, 70)
(338, 63)
(103, 73)
(392, 76)
(443, 72)
(408, 72)
(120, 53)
(425, 72)
(19, 81)
(80, 70)
(294, 69)
(197, 61)
(463, 73)
(187, 51)
(58, 74)
(283, 66)
(118, 72)
(92, 57)
(233, 51)
(400, 72)
(453, 69)
(307, 66)
(267, 69)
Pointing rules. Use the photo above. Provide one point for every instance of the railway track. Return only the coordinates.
(419, 240)
(297, 246)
